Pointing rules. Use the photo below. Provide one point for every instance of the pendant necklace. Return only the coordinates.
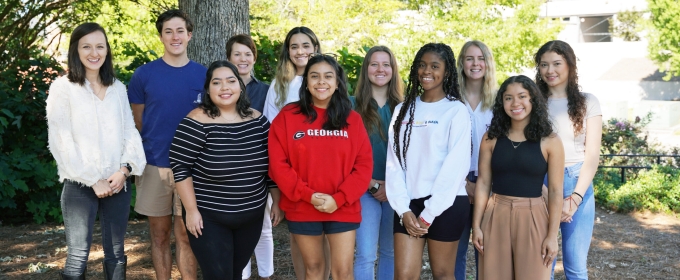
(513, 143)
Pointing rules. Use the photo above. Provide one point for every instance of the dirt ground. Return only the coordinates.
(625, 246)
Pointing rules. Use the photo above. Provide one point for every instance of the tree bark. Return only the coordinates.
(215, 21)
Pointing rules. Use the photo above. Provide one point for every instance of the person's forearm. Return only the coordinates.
(185, 189)
(481, 198)
(586, 174)
(555, 201)
(276, 195)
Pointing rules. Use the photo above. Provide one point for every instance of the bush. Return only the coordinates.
(28, 183)
(657, 190)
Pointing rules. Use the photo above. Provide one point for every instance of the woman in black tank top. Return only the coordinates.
(513, 230)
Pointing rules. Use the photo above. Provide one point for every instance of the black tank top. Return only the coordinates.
(517, 168)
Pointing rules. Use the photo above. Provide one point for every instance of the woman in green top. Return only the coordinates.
(378, 91)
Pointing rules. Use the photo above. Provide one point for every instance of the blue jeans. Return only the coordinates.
(79, 207)
(461, 258)
(374, 237)
(576, 235)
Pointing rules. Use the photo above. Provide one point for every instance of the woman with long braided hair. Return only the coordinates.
(430, 140)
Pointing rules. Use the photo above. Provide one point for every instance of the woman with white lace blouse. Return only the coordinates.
(93, 139)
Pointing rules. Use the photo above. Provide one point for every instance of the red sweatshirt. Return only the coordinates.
(305, 159)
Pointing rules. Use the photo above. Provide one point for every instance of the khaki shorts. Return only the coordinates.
(156, 193)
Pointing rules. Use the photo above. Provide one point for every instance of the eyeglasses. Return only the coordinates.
(331, 55)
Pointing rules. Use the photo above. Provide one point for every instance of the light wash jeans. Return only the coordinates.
(461, 258)
(576, 235)
(375, 236)
(79, 207)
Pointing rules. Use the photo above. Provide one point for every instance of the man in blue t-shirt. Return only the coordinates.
(162, 92)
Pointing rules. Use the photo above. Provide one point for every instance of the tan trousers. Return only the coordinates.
(514, 230)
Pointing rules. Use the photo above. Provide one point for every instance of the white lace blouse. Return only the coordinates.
(88, 137)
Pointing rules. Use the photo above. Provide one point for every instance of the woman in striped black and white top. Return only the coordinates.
(220, 163)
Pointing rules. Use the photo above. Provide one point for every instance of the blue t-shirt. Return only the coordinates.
(257, 93)
(378, 144)
(168, 94)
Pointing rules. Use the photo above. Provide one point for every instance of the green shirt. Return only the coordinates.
(378, 144)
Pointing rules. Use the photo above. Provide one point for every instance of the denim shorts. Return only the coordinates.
(318, 228)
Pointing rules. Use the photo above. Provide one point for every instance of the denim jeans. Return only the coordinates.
(79, 207)
(374, 237)
(461, 258)
(576, 235)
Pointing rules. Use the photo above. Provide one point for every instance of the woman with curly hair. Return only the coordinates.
(427, 164)
(577, 119)
(219, 159)
(378, 91)
(477, 79)
(513, 230)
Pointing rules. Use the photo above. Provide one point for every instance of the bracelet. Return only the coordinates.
(579, 195)
(124, 175)
(424, 222)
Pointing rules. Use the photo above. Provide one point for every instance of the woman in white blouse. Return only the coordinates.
(93, 139)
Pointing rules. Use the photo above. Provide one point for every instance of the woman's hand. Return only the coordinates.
(478, 240)
(569, 207)
(412, 225)
(470, 189)
(329, 205)
(194, 222)
(316, 200)
(380, 195)
(276, 214)
(117, 181)
(549, 250)
(102, 189)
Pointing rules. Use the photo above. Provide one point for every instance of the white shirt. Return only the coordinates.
(88, 137)
(481, 120)
(574, 145)
(437, 161)
(270, 109)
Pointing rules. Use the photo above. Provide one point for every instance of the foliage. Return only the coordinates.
(626, 25)
(26, 24)
(657, 190)
(267, 57)
(405, 26)
(351, 63)
(28, 183)
(664, 41)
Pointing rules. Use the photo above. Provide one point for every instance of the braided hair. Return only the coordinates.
(414, 90)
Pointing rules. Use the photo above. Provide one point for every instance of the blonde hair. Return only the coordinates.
(489, 86)
(285, 70)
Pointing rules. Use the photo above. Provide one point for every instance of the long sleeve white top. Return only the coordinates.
(270, 109)
(481, 120)
(88, 137)
(437, 161)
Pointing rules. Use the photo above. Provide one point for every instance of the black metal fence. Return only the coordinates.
(623, 168)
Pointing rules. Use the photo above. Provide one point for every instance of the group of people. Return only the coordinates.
(222, 157)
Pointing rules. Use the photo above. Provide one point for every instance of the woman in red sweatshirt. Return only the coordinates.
(320, 157)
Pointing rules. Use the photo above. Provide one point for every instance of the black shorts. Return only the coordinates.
(446, 227)
(317, 228)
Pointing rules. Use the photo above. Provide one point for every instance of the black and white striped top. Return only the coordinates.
(227, 162)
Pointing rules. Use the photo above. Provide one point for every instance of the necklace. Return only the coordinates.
(229, 120)
(513, 143)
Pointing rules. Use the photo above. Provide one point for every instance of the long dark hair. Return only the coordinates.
(576, 101)
(242, 104)
(539, 121)
(339, 106)
(285, 69)
(365, 104)
(414, 90)
(76, 69)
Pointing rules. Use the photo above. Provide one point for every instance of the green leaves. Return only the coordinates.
(664, 37)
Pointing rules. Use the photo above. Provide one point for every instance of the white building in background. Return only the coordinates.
(619, 73)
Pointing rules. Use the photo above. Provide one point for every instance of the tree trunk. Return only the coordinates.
(215, 21)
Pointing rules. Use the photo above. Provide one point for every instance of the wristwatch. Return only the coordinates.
(127, 165)
(374, 188)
